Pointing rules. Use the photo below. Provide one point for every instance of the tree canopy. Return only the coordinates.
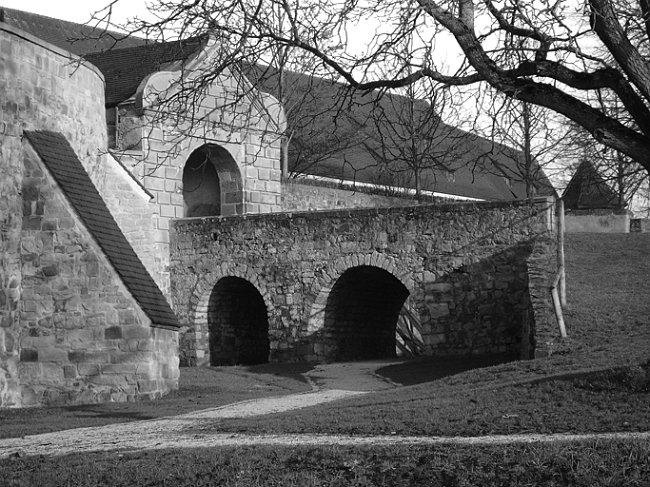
(565, 55)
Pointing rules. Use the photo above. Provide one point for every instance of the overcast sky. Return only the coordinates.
(75, 10)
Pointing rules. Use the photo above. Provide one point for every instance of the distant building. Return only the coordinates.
(591, 205)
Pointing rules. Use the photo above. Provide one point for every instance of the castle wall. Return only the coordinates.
(301, 196)
(40, 87)
(69, 330)
(164, 143)
(83, 337)
(465, 267)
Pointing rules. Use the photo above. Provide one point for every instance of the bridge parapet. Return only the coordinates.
(334, 283)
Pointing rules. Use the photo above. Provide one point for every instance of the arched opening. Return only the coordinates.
(361, 315)
(237, 323)
(212, 183)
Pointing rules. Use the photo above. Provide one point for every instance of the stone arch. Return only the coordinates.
(195, 344)
(212, 183)
(323, 285)
(355, 314)
(238, 325)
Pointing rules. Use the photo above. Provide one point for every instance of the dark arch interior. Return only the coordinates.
(212, 183)
(361, 315)
(237, 323)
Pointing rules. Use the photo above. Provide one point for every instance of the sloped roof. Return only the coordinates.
(588, 190)
(124, 69)
(328, 117)
(473, 166)
(59, 157)
(76, 38)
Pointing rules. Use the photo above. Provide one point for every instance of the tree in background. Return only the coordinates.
(408, 137)
(557, 62)
(529, 139)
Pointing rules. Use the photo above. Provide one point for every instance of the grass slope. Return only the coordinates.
(199, 388)
(582, 465)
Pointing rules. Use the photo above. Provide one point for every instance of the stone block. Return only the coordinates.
(52, 355)
(127, 316)
(28, 355)
(148, 386)
(122, 369)
(113, 333)
(113, 380)
(136, 332)
(88, 370)
(52, 372)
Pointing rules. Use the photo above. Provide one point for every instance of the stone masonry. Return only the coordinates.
(332, 278)
(70, 331)
(238, 134)
(251, 284)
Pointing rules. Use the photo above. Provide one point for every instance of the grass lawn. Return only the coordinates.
(585, 464)
(199, 388)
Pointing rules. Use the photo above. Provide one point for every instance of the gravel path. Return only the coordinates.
(170, 432)
(330, 382)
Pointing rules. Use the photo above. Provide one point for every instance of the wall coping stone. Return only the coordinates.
(462, 207)
(52, 48)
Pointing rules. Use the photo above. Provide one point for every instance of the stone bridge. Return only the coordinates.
(362, 284)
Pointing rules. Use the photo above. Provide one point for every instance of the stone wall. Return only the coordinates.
(40, 87)
(83, 338)
(464, 267)
(299, 195)
(135, 211)
(69, 330)
(541, 328)
(597, 221)
(235, 129)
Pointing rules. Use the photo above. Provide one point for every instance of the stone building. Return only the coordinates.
(96, 176)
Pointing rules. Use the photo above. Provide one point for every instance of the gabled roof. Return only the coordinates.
(588, 190)
(124, 69)
(61, 160)
(76, 38)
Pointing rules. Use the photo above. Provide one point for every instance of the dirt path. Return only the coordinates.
(170, 432)
(330, 382)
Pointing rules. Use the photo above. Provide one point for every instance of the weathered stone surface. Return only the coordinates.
(66, 320)
(463, 266)
(306, 195)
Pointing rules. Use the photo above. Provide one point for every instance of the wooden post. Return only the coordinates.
(284, 158)
(557, 306)
(560, 250)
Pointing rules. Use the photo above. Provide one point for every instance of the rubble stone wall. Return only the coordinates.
(463, 265)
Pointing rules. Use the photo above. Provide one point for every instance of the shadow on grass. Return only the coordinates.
(418, 371)
(288, 371)
(107, 411)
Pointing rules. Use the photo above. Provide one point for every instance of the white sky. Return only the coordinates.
(76, 10)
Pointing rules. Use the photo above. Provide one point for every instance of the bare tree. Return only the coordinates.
(527, 138)
(407, 136)
(560, 65)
